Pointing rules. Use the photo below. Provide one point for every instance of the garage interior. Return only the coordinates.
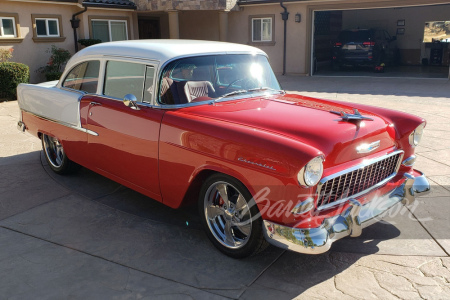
(421, 40)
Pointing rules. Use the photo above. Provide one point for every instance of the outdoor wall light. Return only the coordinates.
(298, 17)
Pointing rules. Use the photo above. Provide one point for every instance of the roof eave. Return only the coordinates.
(105, 5)
(261, 2)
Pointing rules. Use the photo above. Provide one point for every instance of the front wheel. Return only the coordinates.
(230, 217)
(55, 155)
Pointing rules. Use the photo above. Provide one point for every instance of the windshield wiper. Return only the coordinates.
(250, 90)
(231, 94)
(265, 88)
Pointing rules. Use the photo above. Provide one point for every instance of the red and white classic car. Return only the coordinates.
(207, 122)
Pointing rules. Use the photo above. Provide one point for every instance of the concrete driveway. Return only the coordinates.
(86, 237)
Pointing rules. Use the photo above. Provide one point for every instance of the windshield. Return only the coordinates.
(216, 77)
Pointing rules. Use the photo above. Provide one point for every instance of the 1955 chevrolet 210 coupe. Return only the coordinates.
(187, 121)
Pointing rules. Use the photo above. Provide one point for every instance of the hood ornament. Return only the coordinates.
(366, 148)
(356, 116)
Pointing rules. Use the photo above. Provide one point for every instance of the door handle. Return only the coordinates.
(95, 104)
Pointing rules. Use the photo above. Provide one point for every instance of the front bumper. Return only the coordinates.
(349, 223)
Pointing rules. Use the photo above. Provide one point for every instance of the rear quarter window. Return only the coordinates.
(83, 77)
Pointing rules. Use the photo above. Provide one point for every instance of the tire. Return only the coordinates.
(56, 157)
(230, 217)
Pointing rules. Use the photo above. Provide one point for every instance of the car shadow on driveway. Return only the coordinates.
(100, 218)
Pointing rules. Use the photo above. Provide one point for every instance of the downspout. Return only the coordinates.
(284, 16)
(75, 24)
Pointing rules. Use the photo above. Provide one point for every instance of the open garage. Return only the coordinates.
(404, 41)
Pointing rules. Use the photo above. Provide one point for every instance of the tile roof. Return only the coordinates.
(124, 4)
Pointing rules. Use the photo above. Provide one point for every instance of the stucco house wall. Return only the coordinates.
(33, 52)
(27, 50)
(240, 32)
(199, 25)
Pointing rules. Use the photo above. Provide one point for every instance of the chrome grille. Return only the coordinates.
(357, 181)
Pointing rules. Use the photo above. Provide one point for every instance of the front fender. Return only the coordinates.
(259, 159)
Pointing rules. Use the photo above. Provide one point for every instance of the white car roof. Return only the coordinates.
(162, 50)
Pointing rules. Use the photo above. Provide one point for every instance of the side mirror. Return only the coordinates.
(130, 101)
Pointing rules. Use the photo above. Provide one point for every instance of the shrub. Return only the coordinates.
(58, 59)
(89, 42)
(11, 74)
(5, 54)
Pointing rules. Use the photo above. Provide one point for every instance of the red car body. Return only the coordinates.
(261, 140)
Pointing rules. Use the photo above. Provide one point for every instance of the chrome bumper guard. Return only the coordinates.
(349, 223)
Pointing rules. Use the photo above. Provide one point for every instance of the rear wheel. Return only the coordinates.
(55, 155)
(230, 217)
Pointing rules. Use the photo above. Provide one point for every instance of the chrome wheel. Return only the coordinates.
(53, 150)
(227, 215)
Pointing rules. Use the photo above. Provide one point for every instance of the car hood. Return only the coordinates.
(307, 120)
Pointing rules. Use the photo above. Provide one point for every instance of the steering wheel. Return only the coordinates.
(237, 80)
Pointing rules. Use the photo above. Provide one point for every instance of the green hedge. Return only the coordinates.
(89, 42)
(11, 74)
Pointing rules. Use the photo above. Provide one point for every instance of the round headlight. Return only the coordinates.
(311, 174)
(416, 135)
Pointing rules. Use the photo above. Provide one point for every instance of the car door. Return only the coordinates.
(125, 148)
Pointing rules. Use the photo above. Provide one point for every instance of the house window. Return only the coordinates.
(47, 27)
(7, 27)
(262, 29)
(109, 30)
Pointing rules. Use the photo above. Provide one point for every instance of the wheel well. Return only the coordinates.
(191, 196)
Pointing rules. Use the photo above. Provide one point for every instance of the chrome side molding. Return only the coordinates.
(79, 128)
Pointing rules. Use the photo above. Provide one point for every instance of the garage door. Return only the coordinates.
(382, 42)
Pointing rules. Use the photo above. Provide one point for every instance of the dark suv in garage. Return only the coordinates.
(364, 47)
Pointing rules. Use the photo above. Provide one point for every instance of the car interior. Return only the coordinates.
(199, 88)
(196, 79)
